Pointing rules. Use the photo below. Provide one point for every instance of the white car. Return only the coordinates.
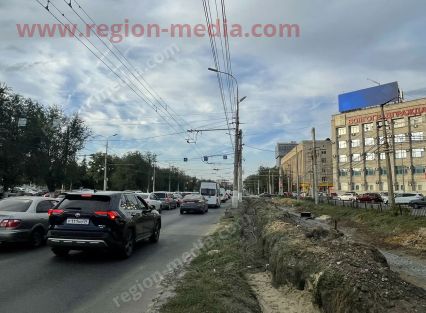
(405, 198)
(348, 196)
(151, 199)
(385, 197)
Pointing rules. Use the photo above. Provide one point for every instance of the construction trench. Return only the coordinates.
(316, 268)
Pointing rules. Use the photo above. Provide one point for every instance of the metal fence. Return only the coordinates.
(381, 207)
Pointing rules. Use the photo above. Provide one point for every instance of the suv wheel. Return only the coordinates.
(155, 234)
(126, 249)
(37, 238)
(60, 252)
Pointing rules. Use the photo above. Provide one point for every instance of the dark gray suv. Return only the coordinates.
(101, 220)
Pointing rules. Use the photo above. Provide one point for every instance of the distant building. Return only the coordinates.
(281, 149)
(299, 162)
(358, 148)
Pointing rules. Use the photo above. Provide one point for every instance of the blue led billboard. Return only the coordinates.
(368, 97)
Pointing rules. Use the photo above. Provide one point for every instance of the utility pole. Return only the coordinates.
(388, 161)
(280, 181)
(240, 168)
(235, 188)
(106, 164)
(297, 173)
(258, 186)
(170, 177)
(314, 160)
(153, 178)
(289, 179)
(272, 183)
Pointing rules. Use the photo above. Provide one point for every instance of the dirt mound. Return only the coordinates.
(342, 276)
(416, 240)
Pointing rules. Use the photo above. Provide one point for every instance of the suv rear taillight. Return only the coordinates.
(10, 223)
(112, 215)
(55, 212)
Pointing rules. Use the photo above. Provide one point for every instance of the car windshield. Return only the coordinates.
(85, 203)
(15, 205)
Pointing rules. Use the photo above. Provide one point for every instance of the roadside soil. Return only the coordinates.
(338, 274)
(283, 299)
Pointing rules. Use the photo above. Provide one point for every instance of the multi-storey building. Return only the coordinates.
(359, 161)
(281, 149)
(299, 163)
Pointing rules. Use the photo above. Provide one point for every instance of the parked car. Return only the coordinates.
(385, 197)
(418, 204)
(348, 196)
(406, 198)
(194, 203)
(369, 197)
(333, 196)
(167, 200)
(104, 220)
(179, 198)
(25, 219)
(152, 200)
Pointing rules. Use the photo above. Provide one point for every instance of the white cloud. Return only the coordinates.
(291, 84)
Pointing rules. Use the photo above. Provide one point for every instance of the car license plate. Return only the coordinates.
(78, 221)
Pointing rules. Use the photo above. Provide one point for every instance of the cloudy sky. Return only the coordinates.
(291, 84)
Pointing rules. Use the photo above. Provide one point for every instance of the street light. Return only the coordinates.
(105, 163)
(237, 189)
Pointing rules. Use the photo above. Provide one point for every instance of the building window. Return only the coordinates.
(323, 152)
(343, 158)
(369, 142)
(355, 129)
(418, 153)
(356, 157)
(356, 143)
(369, 171)
(343, 172)
(415, 120)
(368, 127)
(381, 140)
(398, 123)
(400, 138)
(371, 187)
(418, 136)
(341, 131)
(324, 179)
(400, 154)
(419, 170)
(400, 170)
(383, 171)
(370, 156)
(356, 172)
(343, 144)
(419, 187)
(382, 156)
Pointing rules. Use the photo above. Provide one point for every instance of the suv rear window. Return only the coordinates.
(160, 195)
(86, 203)
(208, 192)
(15, 205)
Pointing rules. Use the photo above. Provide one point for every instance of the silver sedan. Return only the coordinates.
(25, 219)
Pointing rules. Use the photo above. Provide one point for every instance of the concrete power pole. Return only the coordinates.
(240, 168)
(297, 173)
(280, 181)
(314, 160)
(388, 161)
(258, 186)
(153, 180)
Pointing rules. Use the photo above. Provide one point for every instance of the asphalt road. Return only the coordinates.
(35, 281)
